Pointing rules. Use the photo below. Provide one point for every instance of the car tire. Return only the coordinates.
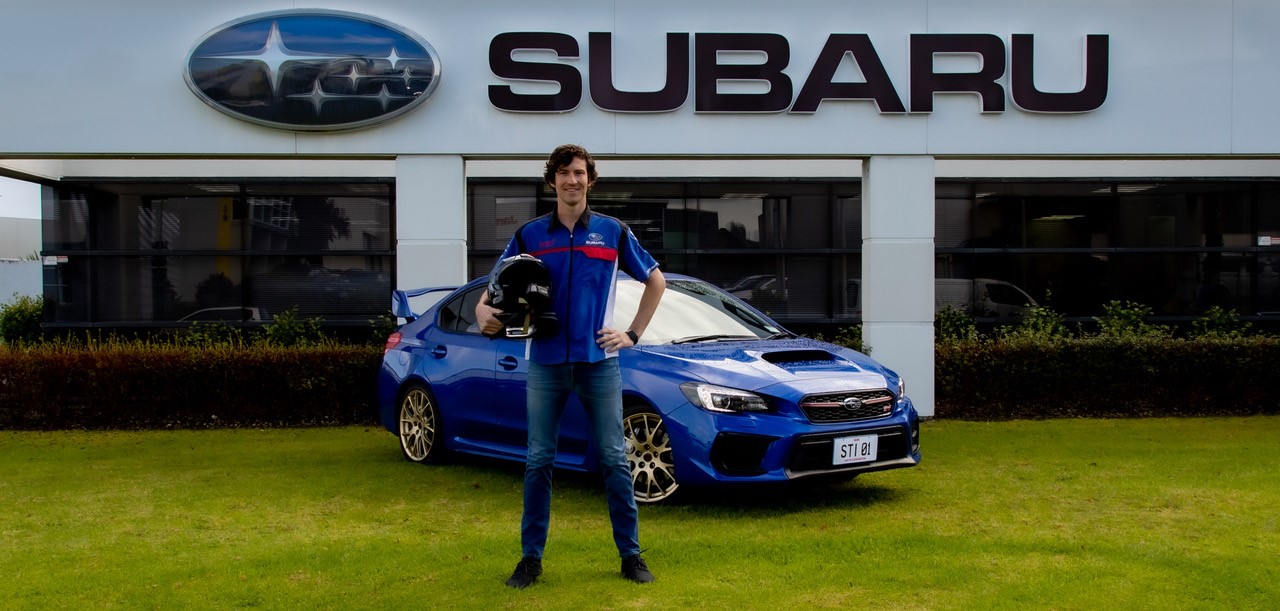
(420, 439)
(649, 454)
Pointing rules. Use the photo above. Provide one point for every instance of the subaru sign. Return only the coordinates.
(313, 70)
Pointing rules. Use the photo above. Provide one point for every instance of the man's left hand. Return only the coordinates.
(612, 340)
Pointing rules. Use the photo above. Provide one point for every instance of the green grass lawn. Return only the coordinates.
(1066, 514)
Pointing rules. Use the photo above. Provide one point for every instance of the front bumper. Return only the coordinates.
(772, 448)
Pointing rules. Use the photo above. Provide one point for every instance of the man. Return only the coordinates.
(583, 251)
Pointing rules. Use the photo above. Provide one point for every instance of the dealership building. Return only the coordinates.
(830, 161)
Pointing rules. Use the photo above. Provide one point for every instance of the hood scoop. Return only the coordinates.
(806, 360)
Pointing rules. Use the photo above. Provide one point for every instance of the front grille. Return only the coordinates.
(847, 406)
(813, 452)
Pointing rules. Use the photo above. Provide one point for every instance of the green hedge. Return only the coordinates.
(143, 385)
(987, 379)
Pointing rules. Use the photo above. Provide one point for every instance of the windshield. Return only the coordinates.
(691, 308)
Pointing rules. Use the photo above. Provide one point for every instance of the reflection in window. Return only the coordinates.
(199, 252)
(690, 309)
(1176, 247)
(722, 232)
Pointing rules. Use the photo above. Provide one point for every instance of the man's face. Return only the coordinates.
(572, 183)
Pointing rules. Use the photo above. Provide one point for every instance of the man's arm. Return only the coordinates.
(653, 289)
(613, 340)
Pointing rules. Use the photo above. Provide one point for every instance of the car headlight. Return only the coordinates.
(720, 399)
(902, 388)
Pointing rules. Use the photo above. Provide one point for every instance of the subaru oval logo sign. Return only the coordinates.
(313, 70)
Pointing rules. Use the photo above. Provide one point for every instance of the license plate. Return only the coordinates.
(850, 450)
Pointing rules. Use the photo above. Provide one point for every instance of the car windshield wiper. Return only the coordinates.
(783, 335)
(711, 338)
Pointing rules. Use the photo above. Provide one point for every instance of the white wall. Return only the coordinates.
(20, 277)
(431, 221)
(897, 270)
(19, 237)
(1195, 77)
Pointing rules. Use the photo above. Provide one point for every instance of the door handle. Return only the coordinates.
(439, 351)
(508, 362)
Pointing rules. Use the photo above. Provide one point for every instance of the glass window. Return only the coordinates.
(1178, 247)
(318, 217)
(647, 218)
(793, 248)
(846, 217)
(782, 233)
(332, 287)
(66, 289)
(1152, 215)
(163, 288)
(459, 314)
(198, 251)
(496, 212)
(1269, 216)
(134, 222)
(66, 218)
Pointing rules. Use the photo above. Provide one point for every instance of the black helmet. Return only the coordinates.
(520, 286)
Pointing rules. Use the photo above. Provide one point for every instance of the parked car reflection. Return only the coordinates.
(227, 314)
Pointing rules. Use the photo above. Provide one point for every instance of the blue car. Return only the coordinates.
(715, 393)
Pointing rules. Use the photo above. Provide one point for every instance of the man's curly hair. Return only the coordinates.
(563, 156)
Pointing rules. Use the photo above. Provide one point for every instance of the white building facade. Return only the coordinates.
(198, 156)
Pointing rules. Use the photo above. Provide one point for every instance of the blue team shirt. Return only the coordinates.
(584, 264)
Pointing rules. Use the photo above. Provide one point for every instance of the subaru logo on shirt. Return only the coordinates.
(312, 70)
(595, 239)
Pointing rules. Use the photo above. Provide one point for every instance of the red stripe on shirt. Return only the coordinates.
(539, 253)
(599, 252)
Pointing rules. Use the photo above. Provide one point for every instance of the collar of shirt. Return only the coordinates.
(553, 220)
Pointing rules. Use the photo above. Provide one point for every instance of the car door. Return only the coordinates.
(478, 412)
(484, 380)
(510, 415)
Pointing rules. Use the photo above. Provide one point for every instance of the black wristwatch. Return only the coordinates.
(635, 339)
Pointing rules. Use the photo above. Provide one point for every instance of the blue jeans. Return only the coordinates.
(599, 387)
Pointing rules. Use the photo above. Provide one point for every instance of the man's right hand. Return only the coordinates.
(487, 317)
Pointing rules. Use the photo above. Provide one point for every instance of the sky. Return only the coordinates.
(19, 199)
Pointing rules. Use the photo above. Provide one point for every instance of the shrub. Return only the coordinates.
(381, 327)
(20, 319)
(203, 335)
(286, 329)
(849, 337)
(216, 290)
(1127, 320)
(1219, 323)
(953, 323)
(1039, 324)
(133, 384)
(1102, 376)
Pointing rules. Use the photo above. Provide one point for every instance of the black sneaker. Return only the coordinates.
(527, 572)
(634, 568)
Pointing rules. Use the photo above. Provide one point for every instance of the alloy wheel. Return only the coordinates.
(650, 457)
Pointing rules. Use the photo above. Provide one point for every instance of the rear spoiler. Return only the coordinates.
(400, 300)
